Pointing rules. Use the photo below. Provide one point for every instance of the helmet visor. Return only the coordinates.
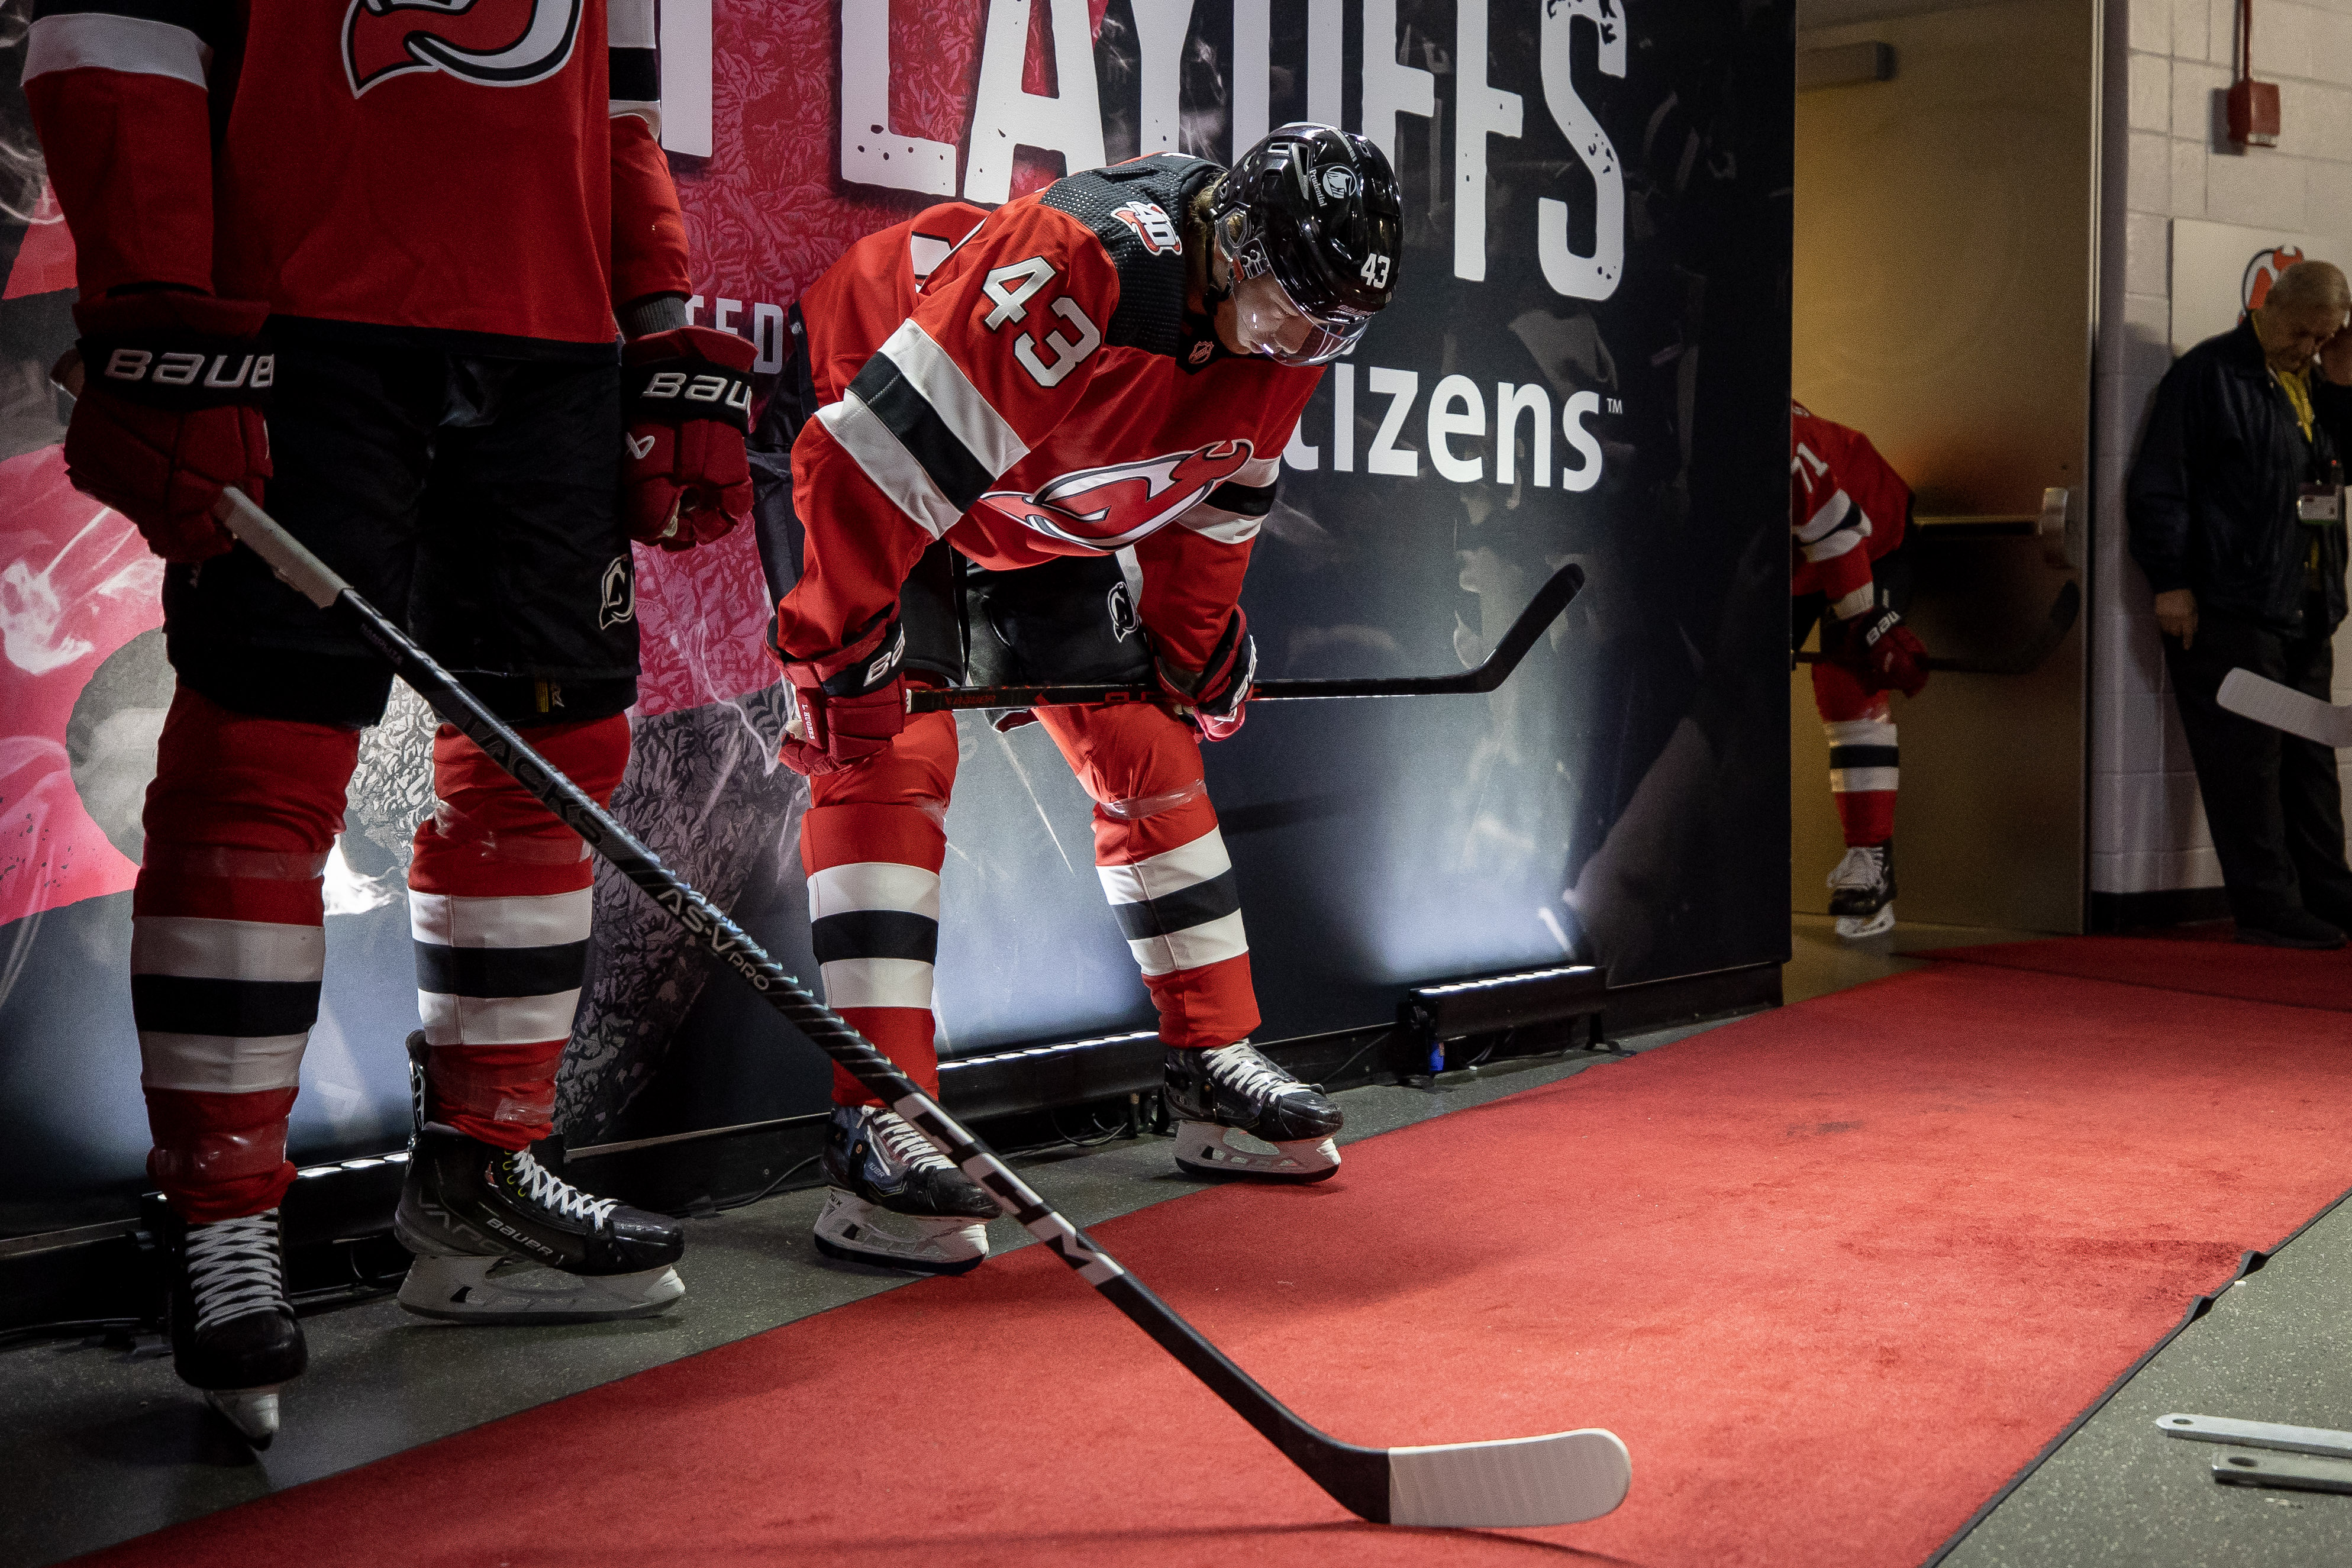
(1268, 323)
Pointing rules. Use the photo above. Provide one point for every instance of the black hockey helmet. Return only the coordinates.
(1318, 210)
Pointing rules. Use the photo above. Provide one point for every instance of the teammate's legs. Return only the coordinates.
(1164, 869)
(872, 842)
(522, 588)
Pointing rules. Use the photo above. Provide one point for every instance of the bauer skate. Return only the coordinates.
(1240, 1115)
(897, 1202)
(500, 1238)
(233, 1334)
(1862, 891)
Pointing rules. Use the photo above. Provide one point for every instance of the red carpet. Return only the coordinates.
(1833, 1274)
(2202, 960)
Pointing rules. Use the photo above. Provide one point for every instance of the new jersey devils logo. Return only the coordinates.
(496, 43)
(1104, 509)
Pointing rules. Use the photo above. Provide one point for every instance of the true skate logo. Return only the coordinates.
(185, 367)
(619, 595)
(1106, 508)
(732, 393)
(1152, 225)
(492, 43)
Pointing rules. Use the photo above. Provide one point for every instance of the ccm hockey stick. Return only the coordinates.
(2267, 701)
(2025, 658)
(1557, 1479)
(1549, 601)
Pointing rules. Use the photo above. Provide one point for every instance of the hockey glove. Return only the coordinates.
(689, 404)
(1883, 653)
(845, 706)
(170, 411)
(1215, 700)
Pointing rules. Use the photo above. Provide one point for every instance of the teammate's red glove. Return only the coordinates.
(1878, 647)
(170, 411)
(685, 479)
(847, 706)
(1217, 698)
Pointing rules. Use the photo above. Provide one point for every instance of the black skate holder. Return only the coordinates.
(1429, 1016)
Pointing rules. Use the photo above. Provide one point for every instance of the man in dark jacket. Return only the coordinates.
(2236, 515)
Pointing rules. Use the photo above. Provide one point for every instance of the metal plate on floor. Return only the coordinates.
(2291, 1472)
(2258, 1434)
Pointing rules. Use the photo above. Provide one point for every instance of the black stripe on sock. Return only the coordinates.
(900, 404)
(252, 1009)
(1197, 905)
(491, 972)
(635, 76)
(875, 933)
(1243, 501)
(1864, 756)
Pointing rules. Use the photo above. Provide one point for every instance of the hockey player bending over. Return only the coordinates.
(1847, 514)
(1083, 395)
(386, 291)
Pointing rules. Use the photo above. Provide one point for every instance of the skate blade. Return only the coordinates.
(852, 1230)
(1206, 1149)
(507, 1291)
(1853, 928)
(252, 1411)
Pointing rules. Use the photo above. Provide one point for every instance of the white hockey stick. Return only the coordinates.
(2283, 707)
(1560, 1478)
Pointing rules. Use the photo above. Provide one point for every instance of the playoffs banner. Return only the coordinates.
(1587, 361)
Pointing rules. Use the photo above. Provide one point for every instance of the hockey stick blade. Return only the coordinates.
(1557, 1479)
(2024, 659)
(1492, 671)
(2249, 696)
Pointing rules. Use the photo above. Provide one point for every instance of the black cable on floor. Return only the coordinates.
(80, 1328)
(745, 1203)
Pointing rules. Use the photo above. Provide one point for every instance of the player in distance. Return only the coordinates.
(1065, 417)
(1848, 515)
(417, 358)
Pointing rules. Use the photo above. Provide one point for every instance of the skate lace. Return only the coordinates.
(909, 1148)
(544, 1187)
(1241, 1069)
(233, 1268)
(1865, 865)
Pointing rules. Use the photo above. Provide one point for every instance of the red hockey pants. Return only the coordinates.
(228, 941)
(1864, 760)
(876, 835)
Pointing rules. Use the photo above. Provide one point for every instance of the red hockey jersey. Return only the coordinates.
(1025, 384)
(1846, 509)
(485, 168)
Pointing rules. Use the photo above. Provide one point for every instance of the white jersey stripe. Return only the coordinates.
(993, 443)
(902, 480)
(200, 949)
(1258, 472)
(873, 885)
(1211, 942)
(544, 919)
(1856, 603)
(1223, 526)
(629, 25)
(1836, 544)
(220, 1064)
(1170, 871)
(93, 40)
(876, 982)
(1827, 516)
(497, 1020)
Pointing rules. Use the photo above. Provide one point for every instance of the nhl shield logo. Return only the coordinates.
(620, 595)
(492, 43)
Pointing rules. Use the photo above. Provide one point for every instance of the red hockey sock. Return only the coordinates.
(228, 945)
(1163, 867)
(500, 897)
(1864, 773)
(872, 843)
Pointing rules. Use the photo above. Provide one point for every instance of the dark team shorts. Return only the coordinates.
(475, 499)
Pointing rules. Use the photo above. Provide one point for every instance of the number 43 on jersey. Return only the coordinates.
(1010, 289)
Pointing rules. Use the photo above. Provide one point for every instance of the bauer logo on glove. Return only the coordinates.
(688, 397)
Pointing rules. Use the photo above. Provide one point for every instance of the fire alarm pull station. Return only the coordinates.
(2253, 106)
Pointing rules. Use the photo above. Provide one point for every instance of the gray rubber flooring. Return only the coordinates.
(99, 1445)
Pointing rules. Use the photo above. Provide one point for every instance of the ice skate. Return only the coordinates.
(897, 1202)
(1862, 891)
(233, 1334)
(1240, 1115)
(500, 1238)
